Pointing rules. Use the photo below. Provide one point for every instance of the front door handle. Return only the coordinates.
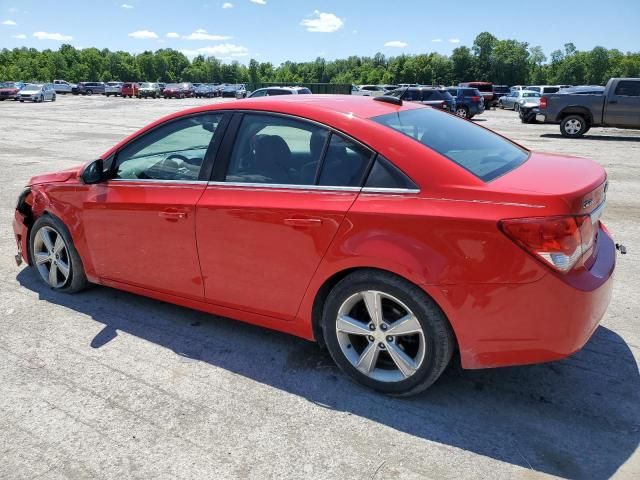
(303, 222)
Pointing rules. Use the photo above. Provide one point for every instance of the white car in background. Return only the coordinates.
(369, 91)
(37, 92)
(62, 86)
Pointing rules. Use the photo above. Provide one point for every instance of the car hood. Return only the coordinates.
(31, 90)
(551, 175)
(56, 177)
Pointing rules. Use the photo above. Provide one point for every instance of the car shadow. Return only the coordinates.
(577, 418)
(602, 138)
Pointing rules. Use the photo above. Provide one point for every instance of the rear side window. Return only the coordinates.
(480, 151)
(276, 91)
(304, 91)
(385, 175)
(628, 89)
(345, 163)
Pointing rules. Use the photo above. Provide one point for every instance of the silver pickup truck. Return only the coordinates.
(618, 106)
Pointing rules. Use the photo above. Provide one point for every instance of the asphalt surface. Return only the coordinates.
(105, 384)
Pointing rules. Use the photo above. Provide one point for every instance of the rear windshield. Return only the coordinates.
(480, 151)
(486, 87)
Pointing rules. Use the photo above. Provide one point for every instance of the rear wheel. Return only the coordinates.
(55, 257)
(462, 112)
(573, 126)
(386, 333)
(89, 92)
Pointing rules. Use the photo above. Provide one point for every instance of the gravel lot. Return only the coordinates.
(111, 385)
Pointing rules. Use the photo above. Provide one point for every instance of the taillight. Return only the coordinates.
(560, 241)
(543, 103)
(475, 99)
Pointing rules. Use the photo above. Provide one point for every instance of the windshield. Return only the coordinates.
(32, 86)
(8, 85)
(173, 85)
(530, 94)
(147, 85)
(480, 151)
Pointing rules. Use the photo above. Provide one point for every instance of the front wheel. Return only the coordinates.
(55, 257)
(53, 99)
(573, 126)
(386, 333)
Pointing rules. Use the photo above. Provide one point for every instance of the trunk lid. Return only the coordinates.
(578, 182)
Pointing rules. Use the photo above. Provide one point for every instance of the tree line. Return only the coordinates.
(507, 62)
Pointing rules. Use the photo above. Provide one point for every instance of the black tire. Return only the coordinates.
(573, 126)
(516, 107)
(53, 99)
(77, 279)
(89, 92)
(439, 338)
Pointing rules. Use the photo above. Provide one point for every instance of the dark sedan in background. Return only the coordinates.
(434, 97)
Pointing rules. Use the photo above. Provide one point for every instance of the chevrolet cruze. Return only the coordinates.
(393, 233)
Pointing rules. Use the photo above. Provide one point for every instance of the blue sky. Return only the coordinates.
(277, 30)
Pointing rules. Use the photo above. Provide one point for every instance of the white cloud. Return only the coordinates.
(259, 2)
(9, 22)
(143, 34)
(221, 50)
(202, 34)
(454, 40)
(59, 37)
(226, 5)
(396, 44)
(20, 36)
(127, 6)
(437, 40)
(323, 22)
(172, 35)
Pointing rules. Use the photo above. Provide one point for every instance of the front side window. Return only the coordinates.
(480, 151)
(174, 151)
(276, 150)
(258, 93)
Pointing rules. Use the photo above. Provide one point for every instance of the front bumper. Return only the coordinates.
(21, 235)
(516, 324)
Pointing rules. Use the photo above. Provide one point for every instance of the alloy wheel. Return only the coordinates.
(380, 336)
(461, 112)
(51, 256)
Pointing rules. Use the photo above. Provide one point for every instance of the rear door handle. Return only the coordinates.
(303, 222)
(172, 214)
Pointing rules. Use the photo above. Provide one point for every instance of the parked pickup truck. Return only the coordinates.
(618, 106)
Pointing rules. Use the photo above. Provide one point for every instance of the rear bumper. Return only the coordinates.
(516, 324)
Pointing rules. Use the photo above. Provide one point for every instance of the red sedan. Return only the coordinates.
(395, 234)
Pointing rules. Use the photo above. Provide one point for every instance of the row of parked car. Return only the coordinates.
(152, 89)
(27, 92)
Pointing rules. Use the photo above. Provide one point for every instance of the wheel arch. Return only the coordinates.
(577, 110)
(329, 283)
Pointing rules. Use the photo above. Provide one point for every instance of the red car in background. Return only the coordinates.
(393, 233)
(130, 89)
(178, 90)
(486, 89)
(10, 90)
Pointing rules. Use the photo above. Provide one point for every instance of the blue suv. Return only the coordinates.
(469, 101)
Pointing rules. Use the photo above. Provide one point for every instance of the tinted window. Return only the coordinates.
(412, 96)
(304, 91)
(479, 151)
(550, 89)
(385, 175)
(278, 91)
(454, 92)
(174, 151)
(276, 150)
(344, 164)
(534, 89)
(258, 93)
(628, 89)
(429, 95)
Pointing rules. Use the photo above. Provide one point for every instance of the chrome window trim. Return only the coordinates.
(390, 190)
(153, 180)
(285, 186)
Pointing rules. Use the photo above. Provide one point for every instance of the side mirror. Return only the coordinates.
(94, 172)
